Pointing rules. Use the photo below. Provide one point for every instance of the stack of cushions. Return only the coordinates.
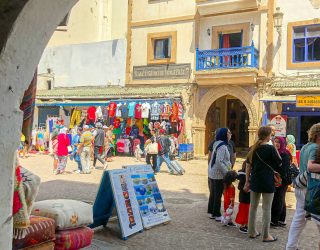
(71, 218)
(39, 235)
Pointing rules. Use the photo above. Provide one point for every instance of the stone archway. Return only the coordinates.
(27, 29)
(205, 103)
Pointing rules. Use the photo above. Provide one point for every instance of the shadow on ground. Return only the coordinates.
(190, 227)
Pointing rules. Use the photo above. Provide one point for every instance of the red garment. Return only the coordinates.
(138, 111)
(243, 213)
(116, 123)
(175, 112)
(91, 114)
(17, 205)
(63, 143)
(180, 113)
(128, 130)
(112, 109)
(228, 195)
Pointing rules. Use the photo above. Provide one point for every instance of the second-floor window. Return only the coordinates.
(306, 43)
(162, 48)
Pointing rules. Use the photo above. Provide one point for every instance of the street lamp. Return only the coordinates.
(278, 18)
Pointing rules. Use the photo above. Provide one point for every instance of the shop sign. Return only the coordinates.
(158, 72)
(280, 123)
(308, 101)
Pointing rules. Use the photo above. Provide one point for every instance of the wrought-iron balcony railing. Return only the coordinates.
(231, 58)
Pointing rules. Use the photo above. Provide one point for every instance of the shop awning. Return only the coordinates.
(72, 103)
(287, 98)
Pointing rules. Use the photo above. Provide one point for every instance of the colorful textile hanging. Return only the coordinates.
(27, 106)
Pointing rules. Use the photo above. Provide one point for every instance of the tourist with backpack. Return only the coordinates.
(307, 155)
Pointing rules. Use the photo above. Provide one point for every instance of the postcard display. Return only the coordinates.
(135, 194)
(151, 204)
(126, 202)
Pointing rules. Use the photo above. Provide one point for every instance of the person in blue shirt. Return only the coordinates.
(75, 143)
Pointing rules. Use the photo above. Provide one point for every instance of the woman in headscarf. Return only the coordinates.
(218, 166)
(278, 210)
(291, 147)
(63, 143)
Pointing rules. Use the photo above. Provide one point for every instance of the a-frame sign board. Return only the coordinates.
(116, 189)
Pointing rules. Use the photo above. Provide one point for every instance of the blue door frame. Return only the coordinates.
(298, 115)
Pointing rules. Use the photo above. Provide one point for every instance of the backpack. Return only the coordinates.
(312, 202)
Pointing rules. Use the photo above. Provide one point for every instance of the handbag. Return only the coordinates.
(153, 148)
(312, 201)
(276, 175)
(70, 149)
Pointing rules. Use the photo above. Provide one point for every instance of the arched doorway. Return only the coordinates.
(27, 26)
(228, 111)
(247, 101)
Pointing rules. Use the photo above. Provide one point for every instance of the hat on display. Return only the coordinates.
(105, 127)
(85, 127)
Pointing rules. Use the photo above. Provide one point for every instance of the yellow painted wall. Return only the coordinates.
(185, 42)
(93, 21)
(154, 9)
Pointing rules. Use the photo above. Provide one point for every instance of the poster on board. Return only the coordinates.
(126, 202)
(280, 123)
(151, 204)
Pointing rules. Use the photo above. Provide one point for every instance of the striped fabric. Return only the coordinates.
(301, 181)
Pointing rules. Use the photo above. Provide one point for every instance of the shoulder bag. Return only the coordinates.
(152, 148)
(276, 175)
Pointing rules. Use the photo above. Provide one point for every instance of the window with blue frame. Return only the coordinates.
(162, 48)
(306, 43)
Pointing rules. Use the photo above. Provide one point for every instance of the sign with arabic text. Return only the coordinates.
(159, 72)
(308, 101)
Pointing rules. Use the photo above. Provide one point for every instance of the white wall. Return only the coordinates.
(294, 10)
(93, 64)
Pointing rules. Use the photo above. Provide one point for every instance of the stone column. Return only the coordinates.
(252, 134)
(198, 139)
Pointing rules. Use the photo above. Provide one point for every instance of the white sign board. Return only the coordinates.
(150, 200)
(126, 202)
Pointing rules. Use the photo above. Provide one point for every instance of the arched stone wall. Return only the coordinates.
(205, 103)
(20, 54)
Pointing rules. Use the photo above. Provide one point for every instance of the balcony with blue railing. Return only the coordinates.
(230, 58)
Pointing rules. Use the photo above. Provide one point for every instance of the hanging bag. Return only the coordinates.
(312, 202)
(276, 175)
(153, 148)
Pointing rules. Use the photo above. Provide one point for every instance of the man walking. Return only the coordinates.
(164, 149)
(98, 143)
(307, 154)
(85, 149)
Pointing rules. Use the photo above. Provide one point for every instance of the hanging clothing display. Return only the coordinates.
(91, 115)
(75, 118)
(155, 111)
(124, 111)
(132, 106)
(112, 109)
(118, 110)
(145, 110)
(138, 111)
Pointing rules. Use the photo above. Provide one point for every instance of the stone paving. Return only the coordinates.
(186, 199)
